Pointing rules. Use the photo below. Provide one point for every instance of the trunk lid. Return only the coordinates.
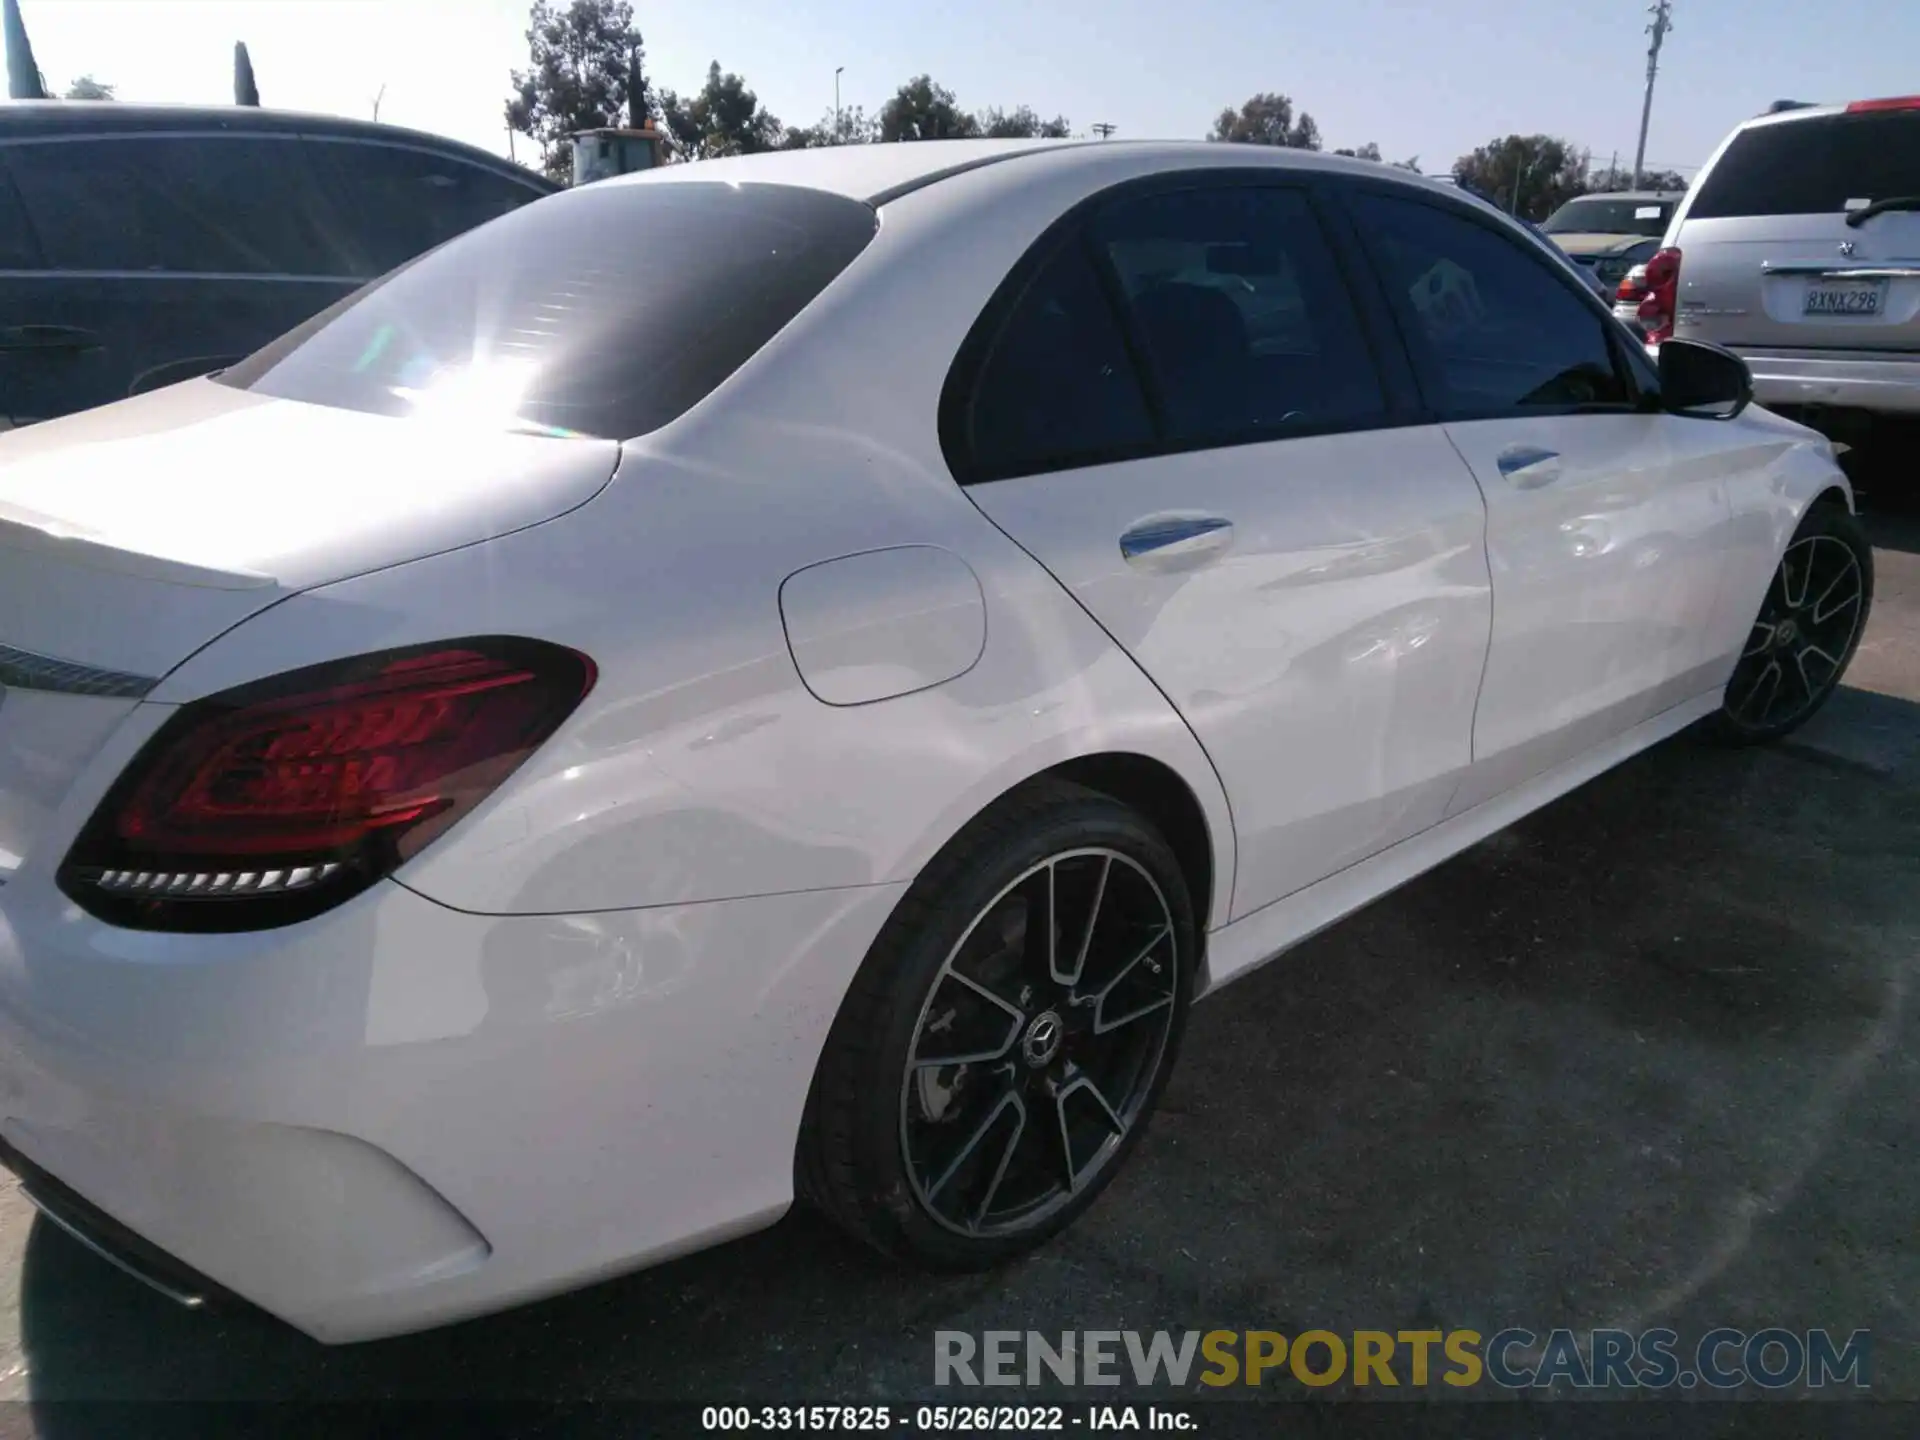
(132, 535)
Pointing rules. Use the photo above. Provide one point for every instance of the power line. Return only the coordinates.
(1662, 12)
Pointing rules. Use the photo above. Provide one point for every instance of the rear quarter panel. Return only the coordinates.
(701, 767)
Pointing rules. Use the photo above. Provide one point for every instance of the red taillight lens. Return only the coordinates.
(267, 804)
(1633, 285)
(1661, 302)
(1891, 102)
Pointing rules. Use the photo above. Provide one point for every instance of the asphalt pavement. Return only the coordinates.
(1647, 1059)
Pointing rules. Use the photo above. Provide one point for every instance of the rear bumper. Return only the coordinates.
(1872, 381)
(399, 1115)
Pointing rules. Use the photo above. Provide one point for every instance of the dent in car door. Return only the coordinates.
(1606, 524)
(1315, 605)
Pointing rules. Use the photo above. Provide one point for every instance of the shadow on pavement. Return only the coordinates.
(1640, 1060)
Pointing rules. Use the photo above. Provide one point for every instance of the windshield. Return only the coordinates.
(1611, 217)
(605, 311)
(1819, 166)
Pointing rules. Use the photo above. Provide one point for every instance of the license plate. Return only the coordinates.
(1859, 297)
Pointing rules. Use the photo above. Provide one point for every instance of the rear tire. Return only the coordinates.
(989, 1072)
(1809, 625)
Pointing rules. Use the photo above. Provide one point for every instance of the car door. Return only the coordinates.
(1175, 406)
(1607, 520)
(163, 256)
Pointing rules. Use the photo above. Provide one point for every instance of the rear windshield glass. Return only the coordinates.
(604, 311)
(1818, 166)
(1611, 217)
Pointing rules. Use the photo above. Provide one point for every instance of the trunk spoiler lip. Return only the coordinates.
(24, 529)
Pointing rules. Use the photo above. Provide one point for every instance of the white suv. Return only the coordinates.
(1799, 249)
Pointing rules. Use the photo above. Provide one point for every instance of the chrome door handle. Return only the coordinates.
(1168, 541)
(1528, 466)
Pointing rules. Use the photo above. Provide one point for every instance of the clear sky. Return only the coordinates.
(1432, 78)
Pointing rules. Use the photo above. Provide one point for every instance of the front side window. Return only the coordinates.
(176, 204)
(603, 311)
(398, 203)
(1243, 321)
(1493, 328)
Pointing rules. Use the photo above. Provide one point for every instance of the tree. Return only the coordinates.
(851, 126)
(1540, 171)
(1021, 124)
(1368, 151)
(245, 92)
(24, 81)
(723, 118)
(88, 88)
(585, 58)
(922, 110)
(1607, 181)
(1267, 119)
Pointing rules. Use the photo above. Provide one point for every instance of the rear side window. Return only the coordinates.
(17, 248)
(208, 204)
(1816, 166)
(1493, 329)
(603, 311)
(398, 203)
(1057, 389)
(1241, 316)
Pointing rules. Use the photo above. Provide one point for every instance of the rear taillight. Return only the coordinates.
(1633, 285)
(270, 803)
(1661, 299)
(1891, 102)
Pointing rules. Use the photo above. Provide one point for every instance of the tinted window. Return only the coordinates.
(17, 248)
(1611, 217)
(400, 203)
(1057, 389)
(1245, 325)
(604, 311)
(185, 204)
(1814, 166)
(1494, 328)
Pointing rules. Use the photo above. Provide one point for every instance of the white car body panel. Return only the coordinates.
(1327, 654)
(576, 1033)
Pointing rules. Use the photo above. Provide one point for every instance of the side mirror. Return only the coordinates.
(1705, 382)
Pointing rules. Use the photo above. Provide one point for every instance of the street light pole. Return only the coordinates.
(1662, 22)
(836, 102)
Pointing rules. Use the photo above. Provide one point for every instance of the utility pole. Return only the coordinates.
(1662, 12)
(376, 104)
(836, 103)
(1104, 130)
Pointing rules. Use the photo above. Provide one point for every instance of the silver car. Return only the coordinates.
(1799, 249)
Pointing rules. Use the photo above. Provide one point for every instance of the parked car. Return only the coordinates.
(689, 689)
(1799, 249)
(144, 244)
(1609, 234)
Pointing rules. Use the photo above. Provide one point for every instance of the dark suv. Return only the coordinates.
(140, 245)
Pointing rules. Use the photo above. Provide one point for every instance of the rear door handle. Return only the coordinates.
(1171, 542)
(1527, 467)
(69, 338)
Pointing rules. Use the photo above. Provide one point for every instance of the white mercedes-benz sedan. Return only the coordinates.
(791, 673)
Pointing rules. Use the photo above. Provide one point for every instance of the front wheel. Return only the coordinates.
(1008, 1035)
(1808, 627)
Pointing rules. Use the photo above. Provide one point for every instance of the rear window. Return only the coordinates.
(1611, 217)
(1817, 166)
(604, 311)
